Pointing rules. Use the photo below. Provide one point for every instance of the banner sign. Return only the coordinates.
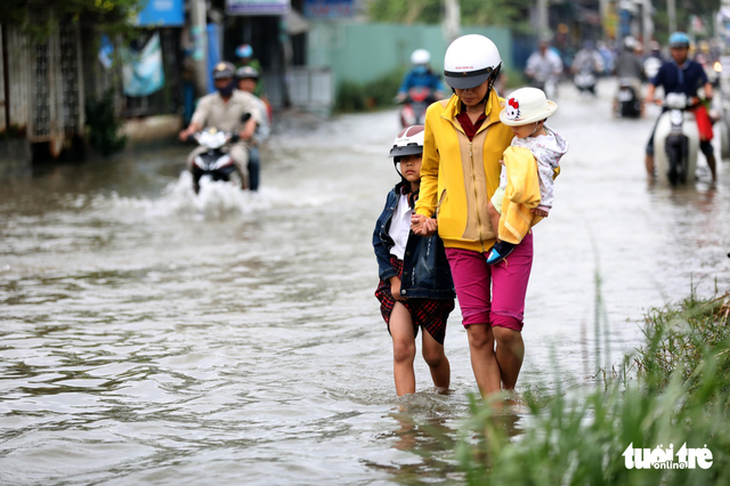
(328, 9)
(162, 13)
(258, 7)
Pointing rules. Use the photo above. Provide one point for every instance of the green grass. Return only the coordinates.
(679, 394)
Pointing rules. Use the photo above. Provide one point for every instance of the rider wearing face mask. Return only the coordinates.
(225, 110)
(421, 75)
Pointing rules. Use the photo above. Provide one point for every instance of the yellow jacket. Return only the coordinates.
(458, 176)
(521, 195)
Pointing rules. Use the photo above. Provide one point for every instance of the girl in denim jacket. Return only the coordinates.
(416, 289)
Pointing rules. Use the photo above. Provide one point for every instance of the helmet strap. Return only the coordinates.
(492, 80)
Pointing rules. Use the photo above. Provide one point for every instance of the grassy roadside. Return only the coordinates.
(678, 393)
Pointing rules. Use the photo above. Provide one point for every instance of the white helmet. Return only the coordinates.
(420, 56)
(408, 142)
(470, 60)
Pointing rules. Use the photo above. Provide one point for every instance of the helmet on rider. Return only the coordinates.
(470, 61)
(679, 40)
(420, 56)
(243, 51)
(408, 142)
(223, 70)
(247, 72)
(629, 43)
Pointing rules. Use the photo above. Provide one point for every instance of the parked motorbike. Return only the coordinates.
(415, 105)
(676, 141)
(628, 100)
(214, 163)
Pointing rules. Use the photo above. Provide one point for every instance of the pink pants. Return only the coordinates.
(472, 278)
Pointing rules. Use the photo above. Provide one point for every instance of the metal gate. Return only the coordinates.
(45, 99)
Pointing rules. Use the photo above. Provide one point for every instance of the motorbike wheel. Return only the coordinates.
(673, 159)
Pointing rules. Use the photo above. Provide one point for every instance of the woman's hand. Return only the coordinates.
(395, 289)
(423, 225)
(539, 212)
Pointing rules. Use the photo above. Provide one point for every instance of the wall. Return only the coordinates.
(365, 51)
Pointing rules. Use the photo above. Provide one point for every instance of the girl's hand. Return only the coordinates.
(501, 161)
(539, 212)
(395, 289)
(423, 226)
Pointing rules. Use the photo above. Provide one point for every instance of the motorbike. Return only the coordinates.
(585, 80)
(414, 106)
(628, 100)
(676, 141)
(214, 162)
(547, 84)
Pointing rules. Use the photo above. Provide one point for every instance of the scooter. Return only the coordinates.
(585, 80)
(548, 85)
(676, 141)
(415, 105)
(628, 101)
(214, 163)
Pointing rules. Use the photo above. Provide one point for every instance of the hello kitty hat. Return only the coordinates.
(525, 106)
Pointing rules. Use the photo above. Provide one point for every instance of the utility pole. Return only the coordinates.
(672, 14)
(452, 20)
(648, 25)
(543, 30)
(199, 34)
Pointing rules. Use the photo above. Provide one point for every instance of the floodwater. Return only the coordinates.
(153, 337)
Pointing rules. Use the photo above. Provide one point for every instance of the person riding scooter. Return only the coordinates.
(227, 110)
(630, 73)
(587, 66)
(682, 75)
(544, 68)
(247, 77)
(421, 76)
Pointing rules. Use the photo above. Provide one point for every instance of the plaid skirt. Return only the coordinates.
(430, 314)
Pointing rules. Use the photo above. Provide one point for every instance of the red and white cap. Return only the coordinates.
(408, 142)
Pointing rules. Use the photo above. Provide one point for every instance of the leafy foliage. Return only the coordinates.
(111, 16)
(103, 125)
(503, 13)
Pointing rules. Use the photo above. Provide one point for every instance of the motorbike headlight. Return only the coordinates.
(717, 67)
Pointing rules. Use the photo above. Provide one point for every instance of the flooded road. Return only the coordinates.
(149, 336)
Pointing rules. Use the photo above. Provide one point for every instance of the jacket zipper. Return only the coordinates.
(476, 195)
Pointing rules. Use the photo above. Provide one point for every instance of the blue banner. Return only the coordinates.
(142, 72)
(328, 9)
(162, 13)
(258, 7)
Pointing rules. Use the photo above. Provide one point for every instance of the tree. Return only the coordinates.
(505, 13)
(111, 16)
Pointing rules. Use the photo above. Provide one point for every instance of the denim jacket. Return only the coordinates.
(426, 272)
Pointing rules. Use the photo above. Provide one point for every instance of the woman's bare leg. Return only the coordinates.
(483, 359)
(510, 353)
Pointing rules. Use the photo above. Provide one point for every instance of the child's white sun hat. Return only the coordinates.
(526, 105)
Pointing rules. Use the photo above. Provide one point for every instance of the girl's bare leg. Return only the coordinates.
(404, 349)
(438, 364)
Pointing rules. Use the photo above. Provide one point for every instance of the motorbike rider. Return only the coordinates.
(544, 65)
(244, 54)
(588, 60)
(682, 75)
(629, 65)
(654, 60)
(247, 77)
(421, 75)
(226, 110)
